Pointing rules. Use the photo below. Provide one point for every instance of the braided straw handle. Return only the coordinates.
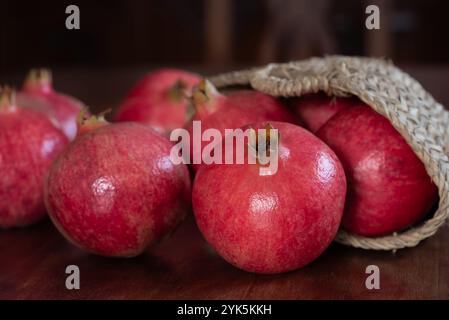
(411, 110)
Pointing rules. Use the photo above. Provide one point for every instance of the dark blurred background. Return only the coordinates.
(121, 40)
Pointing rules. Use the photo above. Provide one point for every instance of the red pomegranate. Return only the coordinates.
(28, 144)
(277, 222)
(316, 109)
(159, 100)
(114, 191)
(389, 188)
(232, 111)
(38, 93)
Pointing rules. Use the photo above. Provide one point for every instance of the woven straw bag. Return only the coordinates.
(414, 113)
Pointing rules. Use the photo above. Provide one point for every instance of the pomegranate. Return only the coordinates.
(159, 100)
(38, 93)
(114, 191)
(316, 109)
(276, 222)
(28, 144)
(233, 111)
(389, 188)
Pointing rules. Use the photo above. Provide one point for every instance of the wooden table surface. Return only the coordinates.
(33, 263)
(33, 260)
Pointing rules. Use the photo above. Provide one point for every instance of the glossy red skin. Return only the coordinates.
(238, 109)
(149, 101)
(114, 191)
(62, 109)
(388, 187)
(316, 109)
(276, 223)
(28, 145)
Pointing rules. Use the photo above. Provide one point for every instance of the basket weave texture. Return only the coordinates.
(423, 122)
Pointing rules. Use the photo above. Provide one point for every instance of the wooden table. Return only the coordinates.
(33, 260)
(33, 263)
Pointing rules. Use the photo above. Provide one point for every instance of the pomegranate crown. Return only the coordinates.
(177, 92)
(85, 118)
(40, 77)
(203, 92)
(266, 146)
(87, 122)
(202, 100)
(7, 97)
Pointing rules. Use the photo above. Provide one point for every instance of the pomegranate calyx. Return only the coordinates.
(201, 93)
(265, 148)
(7, 98)
(177, 92)
(204, 99)
(86, 122)
(39, 79)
